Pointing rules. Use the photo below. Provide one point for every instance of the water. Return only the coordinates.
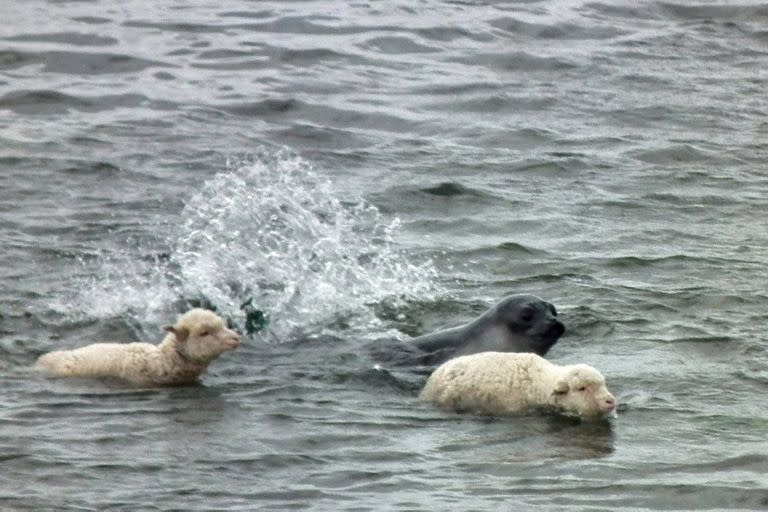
(365, 172)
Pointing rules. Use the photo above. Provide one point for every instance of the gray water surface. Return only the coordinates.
(365, 172)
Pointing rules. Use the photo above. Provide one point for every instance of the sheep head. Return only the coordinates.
(202, 335)
(581, 390)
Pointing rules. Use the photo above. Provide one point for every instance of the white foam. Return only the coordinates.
(275, 231)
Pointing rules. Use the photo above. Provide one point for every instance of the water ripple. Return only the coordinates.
(608, 156)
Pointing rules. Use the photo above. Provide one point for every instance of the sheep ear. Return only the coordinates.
(180, 332)
(561, 387)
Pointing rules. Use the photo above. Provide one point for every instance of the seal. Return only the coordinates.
(518, 323)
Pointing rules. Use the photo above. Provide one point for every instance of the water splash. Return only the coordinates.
(273, 233)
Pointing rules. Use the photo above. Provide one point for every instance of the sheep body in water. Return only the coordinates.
(192, 343)
(503, 383)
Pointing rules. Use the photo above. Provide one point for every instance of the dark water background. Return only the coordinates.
(367, 171)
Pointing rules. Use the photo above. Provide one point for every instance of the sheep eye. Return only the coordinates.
(204, 333)
(582, 388)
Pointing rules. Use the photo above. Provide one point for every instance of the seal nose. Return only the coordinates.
(557, 329)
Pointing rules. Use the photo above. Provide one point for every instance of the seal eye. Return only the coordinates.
(526, 315)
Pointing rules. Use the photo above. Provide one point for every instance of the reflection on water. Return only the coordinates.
(521, 439)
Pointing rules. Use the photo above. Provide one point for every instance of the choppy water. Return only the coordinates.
(364, 172)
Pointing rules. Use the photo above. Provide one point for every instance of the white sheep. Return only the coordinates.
(192, 343)
(502, 383)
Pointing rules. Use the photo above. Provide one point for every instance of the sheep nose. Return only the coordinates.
(610, 403)
(234, 340)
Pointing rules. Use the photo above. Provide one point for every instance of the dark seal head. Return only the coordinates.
(518, 323)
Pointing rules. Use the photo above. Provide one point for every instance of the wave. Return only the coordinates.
(267, 236)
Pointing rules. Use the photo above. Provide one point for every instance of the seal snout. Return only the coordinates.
(555, 329)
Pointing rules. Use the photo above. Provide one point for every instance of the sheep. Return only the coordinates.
(498, 383)
(192, 343)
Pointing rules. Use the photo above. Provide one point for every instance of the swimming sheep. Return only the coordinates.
(192, 343)
(502, 383)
